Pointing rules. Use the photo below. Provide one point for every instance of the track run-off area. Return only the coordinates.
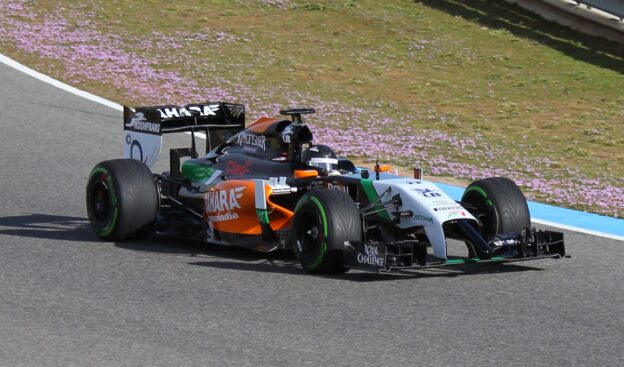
(69, 299)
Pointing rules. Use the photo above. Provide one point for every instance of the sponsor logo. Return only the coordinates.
(232, 168)
(338, 187)
(222, 217)
(509, 242)
(251, 139)
(138, 122)
(371, 256)
(221, 205)
(198, 173)
(201, 110)
(423, 218)
(250, 148)
(287, 133)
(236, 110)
(441, 202)
(447, 208)
(456, 214)
(428, 193)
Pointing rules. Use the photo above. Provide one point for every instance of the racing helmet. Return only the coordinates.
(320, 156)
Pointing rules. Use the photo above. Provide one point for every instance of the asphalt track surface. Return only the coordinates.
(68, 299)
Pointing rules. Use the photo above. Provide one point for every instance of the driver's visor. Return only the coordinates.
(324, 163)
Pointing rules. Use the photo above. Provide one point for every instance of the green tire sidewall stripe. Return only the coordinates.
(323, 251)
(109, 180)
(480, 191)
(302, 201)
(323, 216)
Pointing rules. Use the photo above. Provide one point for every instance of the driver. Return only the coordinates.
(321, 157)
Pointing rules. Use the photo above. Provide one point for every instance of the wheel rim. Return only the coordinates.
(309, 235)
(100, 203)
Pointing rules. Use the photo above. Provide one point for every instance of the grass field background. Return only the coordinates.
(465, 89)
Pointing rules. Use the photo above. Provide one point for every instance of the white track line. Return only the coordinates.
(577, 229)
(92, 97)
(68, 88)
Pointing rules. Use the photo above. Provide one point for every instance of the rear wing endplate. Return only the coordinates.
(145, 126)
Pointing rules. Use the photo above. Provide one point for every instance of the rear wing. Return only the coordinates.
(144, 127)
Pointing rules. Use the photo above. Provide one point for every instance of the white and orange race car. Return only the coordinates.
(270, 186)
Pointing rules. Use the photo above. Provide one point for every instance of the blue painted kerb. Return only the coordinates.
(555, 214)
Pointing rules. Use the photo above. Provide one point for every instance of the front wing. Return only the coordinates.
(530, 244)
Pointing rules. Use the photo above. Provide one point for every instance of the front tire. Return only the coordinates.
(324, 220)
(500, 205)
(122, 200)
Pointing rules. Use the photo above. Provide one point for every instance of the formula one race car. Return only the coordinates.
(270, 187)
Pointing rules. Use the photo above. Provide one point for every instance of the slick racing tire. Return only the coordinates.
(324, 220)
(122, 200)
(500, 205)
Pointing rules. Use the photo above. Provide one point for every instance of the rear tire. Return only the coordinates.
(324, 220)
(500, 205)
(122, 200)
